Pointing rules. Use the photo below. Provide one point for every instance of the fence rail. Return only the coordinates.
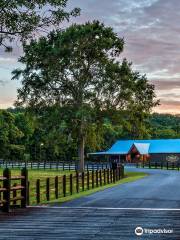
(44, 190)
(58, 165)
(16, 190)
(13, 190)
(159, 165)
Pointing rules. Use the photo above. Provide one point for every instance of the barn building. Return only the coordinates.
(133, 151)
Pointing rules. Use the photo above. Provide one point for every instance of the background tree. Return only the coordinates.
(165, 126)
(77, 70)
(10, 135)
(25, 19)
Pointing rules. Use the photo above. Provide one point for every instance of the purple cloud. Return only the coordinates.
(152, 37)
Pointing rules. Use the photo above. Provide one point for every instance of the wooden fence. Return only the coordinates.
(159, 165)
(18, 190)
(54, 165)
(44, 190)
(13, 190)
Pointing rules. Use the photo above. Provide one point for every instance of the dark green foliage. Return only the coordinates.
(26, 19)
(75, 74)
(10, 136)
(21, 134)
(165, 126)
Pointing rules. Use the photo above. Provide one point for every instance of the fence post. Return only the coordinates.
(149, 164)
(167, 166)
(44, 164)
(96, 178)
(50, 165)
(82, 181)
(161, 165)
(14, 194)
(24, 184)
(178, 166)
(87, 180)
(77, 182)
(104, 176)
(47, 189)
(92, 165)
(92, 175)
(58, 164)
(7, 185)
(100, 175)
(119, 173)
(155, 165)
(38, 164)
(71, 183)
(114, 176)
(110, 175)
(122, 170)
(64, 185)
(38, 191)
(63, 166)
(28, 197)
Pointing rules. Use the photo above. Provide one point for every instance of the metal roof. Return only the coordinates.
(144, 146)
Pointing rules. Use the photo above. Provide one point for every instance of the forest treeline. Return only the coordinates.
(44, 137)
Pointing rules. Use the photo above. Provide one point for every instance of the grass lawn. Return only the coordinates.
(51, 174)
(34, 174)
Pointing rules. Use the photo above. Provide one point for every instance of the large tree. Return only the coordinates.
(78, 69)
(24, 18)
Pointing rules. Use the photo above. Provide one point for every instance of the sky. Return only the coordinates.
(151, 32)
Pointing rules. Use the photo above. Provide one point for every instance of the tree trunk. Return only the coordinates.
(81, 153)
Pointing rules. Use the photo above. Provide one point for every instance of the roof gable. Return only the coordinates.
(143, 148)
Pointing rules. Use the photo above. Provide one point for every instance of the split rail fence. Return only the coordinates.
(54, 165)
(13, 190)
(16, 190)
(159, 165)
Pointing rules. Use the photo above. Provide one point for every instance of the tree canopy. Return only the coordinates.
(26, 19)
(22, 134)
(11, 146)
(79, 71)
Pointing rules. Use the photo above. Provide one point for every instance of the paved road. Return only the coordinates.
(87, 224)
(161, 189)
(107, 215)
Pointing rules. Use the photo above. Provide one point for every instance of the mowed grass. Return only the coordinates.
(51, 174)
(33, 175)
(38, 173)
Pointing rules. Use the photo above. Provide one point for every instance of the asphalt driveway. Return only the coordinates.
(161, 189)
(112, 214)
